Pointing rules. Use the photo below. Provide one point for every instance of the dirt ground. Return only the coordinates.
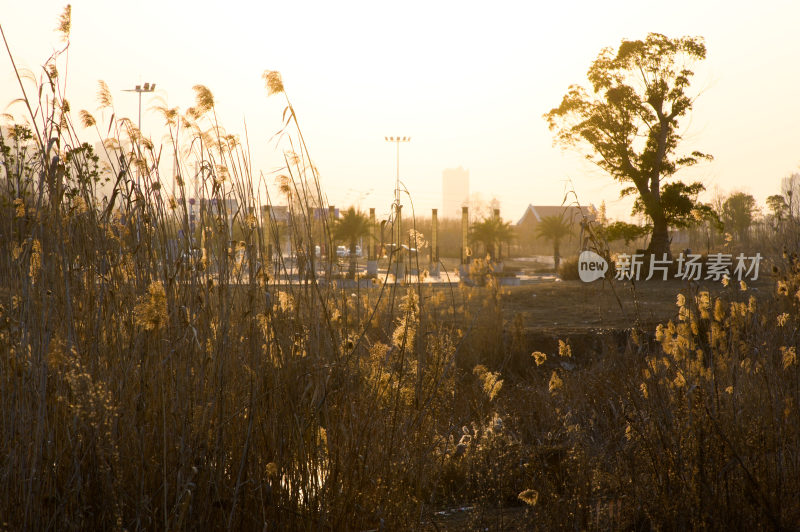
(578, 307)
(574, 306)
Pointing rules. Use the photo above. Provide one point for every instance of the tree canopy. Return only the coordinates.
(349, 228)
(490, 232)
(778, 207)
(679, 203)
(554, 228)
(624, 231)
(628, 125)
(738, 212)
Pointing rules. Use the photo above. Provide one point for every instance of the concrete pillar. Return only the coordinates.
(434, 267)
(330, 244)
(203, 222)
(372, 256)
(497, 245)
(399, 256)
(266, 233)
(399, 240)
(464, 234)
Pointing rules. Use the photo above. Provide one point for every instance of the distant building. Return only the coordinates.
(275, 213)
(215, 207)
(323, 213)
(573, 215)
(455, 191)
(229, 208)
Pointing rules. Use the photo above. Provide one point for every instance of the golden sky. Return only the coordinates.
(468, 81)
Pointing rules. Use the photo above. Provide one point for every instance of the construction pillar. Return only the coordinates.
(331, 246)
(399, 256)
(498, 244)
(464, 234)
(372, 256)
(399, 223)
(266, 233)
(434, 267)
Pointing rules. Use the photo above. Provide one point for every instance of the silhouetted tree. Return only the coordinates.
(778, 207)
(738, 212)
(349, 228)
(630, 123)
(491, 232)
(554, 228)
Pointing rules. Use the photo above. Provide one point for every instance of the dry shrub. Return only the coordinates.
(144, 385)
(568, 269)
(147, 385)
(692, 425)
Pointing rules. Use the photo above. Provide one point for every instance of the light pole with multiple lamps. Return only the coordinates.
(148, 87)
(139, 89)
(397, 205)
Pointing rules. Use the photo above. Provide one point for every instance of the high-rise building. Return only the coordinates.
(455, 191)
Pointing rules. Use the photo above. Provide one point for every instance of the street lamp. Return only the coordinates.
(397, 140)
(397, 207)
(148, 87)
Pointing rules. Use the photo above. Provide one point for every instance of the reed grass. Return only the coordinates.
(144, 387)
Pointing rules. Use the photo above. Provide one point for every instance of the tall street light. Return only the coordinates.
(148, 87)
(397, 206)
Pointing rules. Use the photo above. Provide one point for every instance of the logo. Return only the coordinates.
(591, 266)
(689, 267)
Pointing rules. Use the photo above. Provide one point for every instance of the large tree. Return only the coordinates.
(779, 208)
(630, 121)
(738, 213)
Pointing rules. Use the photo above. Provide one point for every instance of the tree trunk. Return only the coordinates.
(659, 242)
(556, 254)
(352, 273)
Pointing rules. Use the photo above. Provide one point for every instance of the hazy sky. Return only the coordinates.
(468, 81)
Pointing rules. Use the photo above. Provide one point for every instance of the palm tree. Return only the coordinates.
(348, 229)
(554, 228)
(491, 232)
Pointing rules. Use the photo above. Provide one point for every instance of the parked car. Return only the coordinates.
(344, 251)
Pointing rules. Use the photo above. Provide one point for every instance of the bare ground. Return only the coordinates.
(574, 306)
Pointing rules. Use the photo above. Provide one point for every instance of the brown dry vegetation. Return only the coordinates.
(139, 390)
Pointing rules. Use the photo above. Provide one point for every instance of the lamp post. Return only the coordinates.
(148, 87)
(139, 89)
(397, 206)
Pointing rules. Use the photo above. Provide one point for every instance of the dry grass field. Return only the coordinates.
(572, 306)
(147, 386)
